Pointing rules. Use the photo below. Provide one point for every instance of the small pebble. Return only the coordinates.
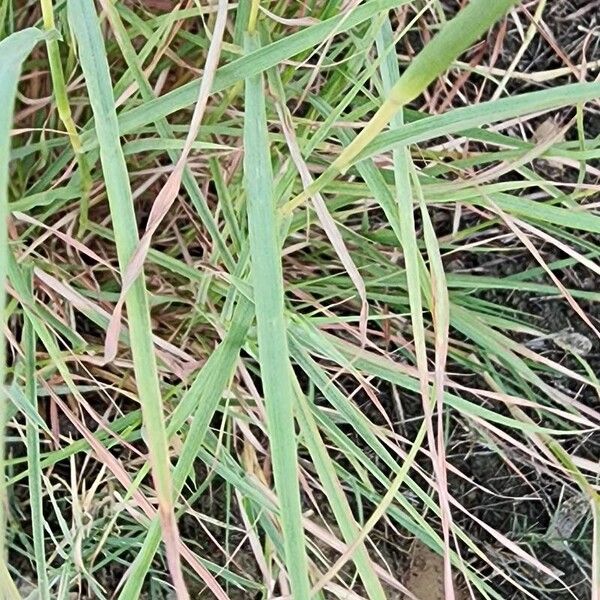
(573, 342)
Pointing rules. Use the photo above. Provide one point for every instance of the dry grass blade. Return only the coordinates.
(325, 218)
(440, 309)
(168, 193)
(535, 253)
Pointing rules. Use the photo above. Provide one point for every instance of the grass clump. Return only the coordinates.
(355, 245)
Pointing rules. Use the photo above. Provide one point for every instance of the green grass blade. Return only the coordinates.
(64, 110)
(440, 311)
(461, 120)
(408, 233)
(276, 372)
(33, 461)
(85, 26)
(434, 288)
(14, 49)
(336, 496)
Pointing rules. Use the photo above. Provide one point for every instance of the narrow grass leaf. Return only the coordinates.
(86, 29)
(209, 385)
(435, 291)
(33, 459)
(465, 118)
(320, 207)
(15, 48)
(63, 108)
(440, 310)
(271, 324)
(335, 494)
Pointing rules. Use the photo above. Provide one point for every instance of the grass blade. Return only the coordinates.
(85, 26)
(64, 110)
(435, 58)
(208, 385)
(276, 372)
(17, 46)
(435, 290)
(475, 115)
(33, 461)
(336, 496)
(440, 311)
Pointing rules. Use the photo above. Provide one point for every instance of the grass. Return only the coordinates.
(275, 368)
(97, 77)
(287, 293)
(18, 46)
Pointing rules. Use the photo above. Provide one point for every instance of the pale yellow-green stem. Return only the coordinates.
(379, 512)
(532, 31)
(252, 19)
(382, 117)
(64, 111)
